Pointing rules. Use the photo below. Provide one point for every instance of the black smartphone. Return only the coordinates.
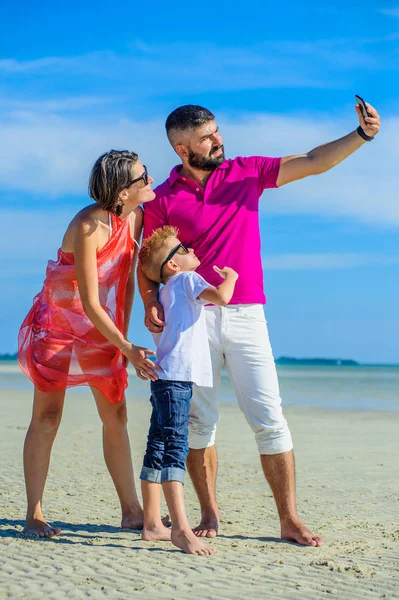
(363, 106)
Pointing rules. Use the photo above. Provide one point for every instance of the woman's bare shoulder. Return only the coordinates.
(88, 221)
(92, 216)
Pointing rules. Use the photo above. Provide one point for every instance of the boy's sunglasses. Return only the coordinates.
(143, 177)
(180, 249)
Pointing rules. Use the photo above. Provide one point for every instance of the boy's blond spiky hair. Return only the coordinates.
(152, 252)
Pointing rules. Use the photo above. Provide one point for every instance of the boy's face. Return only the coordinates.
(183, 259)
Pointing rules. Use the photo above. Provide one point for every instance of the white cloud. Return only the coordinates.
(161, 69)
(324, 261)
(52, 156)
(391, 12)
(146, 69)
(363, 187)
(65, 104)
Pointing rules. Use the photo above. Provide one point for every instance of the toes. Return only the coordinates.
(49, 533)
(197, 532)
(211, 533)
(44, 532)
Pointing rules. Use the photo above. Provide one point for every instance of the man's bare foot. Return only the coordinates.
(295, 531)
(160, 533)
(133, 520)
(39, 528)
(209, 526)
(190, 544)
(136, 521)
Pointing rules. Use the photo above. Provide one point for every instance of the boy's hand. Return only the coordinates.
(226, 271)
(154, 317)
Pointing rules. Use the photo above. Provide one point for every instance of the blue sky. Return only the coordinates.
(78, 79)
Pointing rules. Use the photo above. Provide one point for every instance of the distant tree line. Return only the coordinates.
(283, 360)
(289, 360)
(9, 356)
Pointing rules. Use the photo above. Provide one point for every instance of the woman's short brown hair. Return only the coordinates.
(111, 173)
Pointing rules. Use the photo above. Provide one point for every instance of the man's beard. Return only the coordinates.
(206, 163)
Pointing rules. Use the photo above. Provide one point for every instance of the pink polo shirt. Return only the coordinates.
(220, 222)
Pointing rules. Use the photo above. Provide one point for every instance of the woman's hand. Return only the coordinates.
(145, 368)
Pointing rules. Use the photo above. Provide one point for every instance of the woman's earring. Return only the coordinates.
(119, 208)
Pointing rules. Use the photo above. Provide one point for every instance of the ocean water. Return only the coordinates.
(333, 387)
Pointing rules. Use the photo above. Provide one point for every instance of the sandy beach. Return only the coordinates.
(348, 491)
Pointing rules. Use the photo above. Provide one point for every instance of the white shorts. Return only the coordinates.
(239, 340)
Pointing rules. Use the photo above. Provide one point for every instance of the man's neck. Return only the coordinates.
(197, 175)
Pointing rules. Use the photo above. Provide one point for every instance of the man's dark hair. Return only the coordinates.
(111, 173)
(186, 117)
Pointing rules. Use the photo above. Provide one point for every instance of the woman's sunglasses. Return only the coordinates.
(143, 177)
(180, 249)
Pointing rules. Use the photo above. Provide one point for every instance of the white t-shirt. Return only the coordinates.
(183, 348)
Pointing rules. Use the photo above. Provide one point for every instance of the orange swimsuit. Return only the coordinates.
(58, 345)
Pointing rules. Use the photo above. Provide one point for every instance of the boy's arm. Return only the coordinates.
(221, 295)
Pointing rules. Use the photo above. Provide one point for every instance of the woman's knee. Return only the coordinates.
(116, 416)
(47, 419)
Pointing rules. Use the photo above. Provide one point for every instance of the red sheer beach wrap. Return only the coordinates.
(58, 346)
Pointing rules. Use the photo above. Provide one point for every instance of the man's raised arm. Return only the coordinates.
(325, 157)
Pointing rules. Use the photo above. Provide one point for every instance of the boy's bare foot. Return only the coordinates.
(160, 533)
(39, 528)
(295, 531)
(208, 527)
(189, 543)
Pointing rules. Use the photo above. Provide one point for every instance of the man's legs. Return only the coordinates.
(250, 364)
(204, 414)
(279, 470)
(202, 467)
(46, 417)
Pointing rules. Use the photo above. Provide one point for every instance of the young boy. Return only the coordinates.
(183, 356)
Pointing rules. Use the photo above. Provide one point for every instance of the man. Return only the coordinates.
(214, 204)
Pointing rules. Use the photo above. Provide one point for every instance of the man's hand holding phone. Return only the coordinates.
(369, 119)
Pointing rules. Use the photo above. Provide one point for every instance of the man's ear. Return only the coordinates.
(182, 151)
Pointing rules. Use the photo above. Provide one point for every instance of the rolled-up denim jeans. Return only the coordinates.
(167, 441)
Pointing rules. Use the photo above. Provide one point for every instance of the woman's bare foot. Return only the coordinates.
(159, 533)
(189, 543)
(39, 528)
(295, 531)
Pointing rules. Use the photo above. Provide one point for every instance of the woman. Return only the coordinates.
(76, 331)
